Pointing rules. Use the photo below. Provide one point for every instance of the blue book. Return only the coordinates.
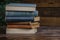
(21, 13)
(22, 4)
(19, 19)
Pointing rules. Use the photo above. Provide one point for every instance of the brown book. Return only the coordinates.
(19, 26)
(22, 23)
(24, 26)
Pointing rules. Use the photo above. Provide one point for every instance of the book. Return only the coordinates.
(19, 26)
(21, 23)
(23, 26)
(21, 7)
(22, 19)
(20, 31)
(19, 19)
(18, 23)
(21, 13)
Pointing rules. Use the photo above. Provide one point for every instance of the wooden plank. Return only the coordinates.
(50, 21)
(49, 11)
(48, 4)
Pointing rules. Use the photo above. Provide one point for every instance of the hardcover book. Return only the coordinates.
(20, 31)
(21, 13)
(19, 26)
(18, 23)
(22, 23)
(23, 26)
(22, 19)
(21, 7)
(19, 19)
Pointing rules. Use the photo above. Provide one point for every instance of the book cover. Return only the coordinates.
(19, 19)
(18, 23)
(21, 13)
(11, 8)
(22, 4)
(22, 23)
(20, 31)
(19, 26)
(23, 26)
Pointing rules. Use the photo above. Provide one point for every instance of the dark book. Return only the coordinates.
(18, 23)
(21, 13)
(19, 19)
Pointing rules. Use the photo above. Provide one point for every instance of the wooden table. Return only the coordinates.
(44, 33)
(28, 37)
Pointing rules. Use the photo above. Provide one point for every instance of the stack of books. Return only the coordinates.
(22, 18)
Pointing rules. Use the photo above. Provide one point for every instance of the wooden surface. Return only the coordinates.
(51, 21)
(41, 38)
(33, 37)
(30, 37)
(43, 33)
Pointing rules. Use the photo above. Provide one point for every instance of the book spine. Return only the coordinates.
(19, 26)
(20, 31)
(18, 23)
(21, 14)
(20, 8)
(19, 19)
(21, 5)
